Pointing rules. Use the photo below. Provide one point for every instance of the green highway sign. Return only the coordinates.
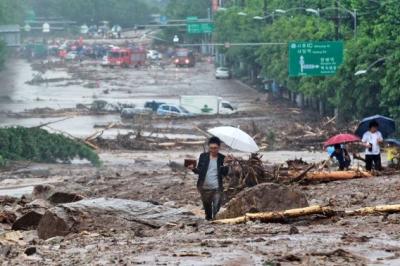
(195, 28)
(310, 58)
(191, 19)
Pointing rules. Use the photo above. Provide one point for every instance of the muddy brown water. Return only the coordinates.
(143, 175)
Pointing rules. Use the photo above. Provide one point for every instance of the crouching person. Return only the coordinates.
(211, 171)
(342, 156)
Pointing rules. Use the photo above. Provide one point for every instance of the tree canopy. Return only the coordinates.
(377, 91)
(123, 12)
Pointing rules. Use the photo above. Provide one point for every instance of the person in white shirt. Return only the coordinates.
(371, 140)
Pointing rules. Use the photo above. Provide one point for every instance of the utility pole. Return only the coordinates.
(337, 20)
(265, 7)
(337, 37)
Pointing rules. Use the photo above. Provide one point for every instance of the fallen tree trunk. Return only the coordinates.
(302, 174)
(336, 175)
(269, 217)
(279, 216)
(374, 210)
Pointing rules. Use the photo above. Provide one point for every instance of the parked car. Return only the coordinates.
(104, 61)
(222, 73)
(172, 110)
(153, 105)
(153, 55)
(72, 55)
(129, 113)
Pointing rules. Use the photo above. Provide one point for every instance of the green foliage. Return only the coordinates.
(11, 12)
(3, 162)
(378, 91)
(3, 53)
(123, 12)
(180, 9)
(38, 145)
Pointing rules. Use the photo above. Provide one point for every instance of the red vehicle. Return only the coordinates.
(184, 57)
(138, 56)
(125, 57)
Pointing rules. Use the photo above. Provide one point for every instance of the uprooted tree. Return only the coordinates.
(38, 145)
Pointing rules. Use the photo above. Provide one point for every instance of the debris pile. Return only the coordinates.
(261, 198)
(136, 141)
(56, 213)
(246, 173)
(305, 135)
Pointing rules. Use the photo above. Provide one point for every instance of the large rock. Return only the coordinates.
(28, 221)
(263, 197)
(42, 191)
(64, 197)
(102, 213)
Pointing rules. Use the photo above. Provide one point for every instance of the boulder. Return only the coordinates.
(42, 191)
(64, 197)
(103, 213)
(7, 217)
(30, 251)
(28, 221)
(55, 222)
(38, 204)
(262, 198)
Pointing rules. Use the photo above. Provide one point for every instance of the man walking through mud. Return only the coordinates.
(211, 170)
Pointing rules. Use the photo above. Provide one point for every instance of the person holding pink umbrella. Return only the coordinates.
(342, 156)
(340, 153)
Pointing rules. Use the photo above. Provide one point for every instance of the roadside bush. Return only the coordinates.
(38, 145)
(2, 161)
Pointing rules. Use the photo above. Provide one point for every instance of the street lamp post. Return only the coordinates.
(318, 13)
(364, 71)
(352, 13)
(265, 17)
(309, 10)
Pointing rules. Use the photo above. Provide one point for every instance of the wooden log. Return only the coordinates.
(99, 133)
(194, 142)
(302, 174)
(91, 145)
(375, 210)
(358, 157)
(237, 220)
(52, 122)
(167, 144)
(268, 217)
(280, 216)
(336, 175)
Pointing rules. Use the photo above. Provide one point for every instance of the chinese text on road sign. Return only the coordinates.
(315, 58)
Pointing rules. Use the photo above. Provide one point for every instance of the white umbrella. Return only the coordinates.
(235, 138)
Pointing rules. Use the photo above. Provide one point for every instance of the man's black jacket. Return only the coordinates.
(202, 169)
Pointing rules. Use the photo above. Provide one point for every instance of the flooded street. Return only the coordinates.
(154, 173)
